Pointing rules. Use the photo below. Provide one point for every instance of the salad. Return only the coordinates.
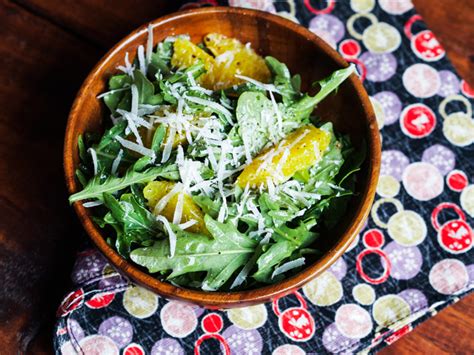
(213, 174)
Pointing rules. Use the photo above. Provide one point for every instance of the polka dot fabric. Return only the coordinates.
(412, 258)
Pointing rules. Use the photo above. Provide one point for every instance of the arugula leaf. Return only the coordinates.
(250, 113)
(301, 236)
(296, 83)
(328, 167)
(129, 212)
(346, 180)
(96, 188)
(135, 223)
(302, 108)
(146, 89)
(219, 256)
(82, 148)
(195, 70)
(160, 61)
(272, 257)
(158, 137)
(283, 81)
(106, 150)
(289, 240)
(208, 205)
(81, 177)
(117, 84)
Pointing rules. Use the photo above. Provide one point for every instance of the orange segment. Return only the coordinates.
(233, 57)
(186, 54)
(298, 151)
(154, 191)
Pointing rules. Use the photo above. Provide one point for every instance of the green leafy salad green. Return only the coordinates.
(213, 174)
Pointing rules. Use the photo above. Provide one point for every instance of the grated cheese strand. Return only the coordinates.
(178, 211)
(92, 204)
(166, 198)
(141, 59)
(112, 92)
(187, 224)
(135, 147)
(171, 235)
(288, 266)
(212, 158)
(278, 115)
(211, 104)
(135, 98)
(127, 68)
(268, 87)
(116, 162)
(168, 145)
(93, 154)
(149, 45)
(137, 120)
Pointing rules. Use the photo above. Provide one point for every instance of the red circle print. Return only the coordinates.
(387, 266)
(100, 300)
(417, 121)
(349, 48)
(425, 45)
(71, 302)
(134, 349)
(373, 238)
(212, 323)
(457, 180)
(467, 90)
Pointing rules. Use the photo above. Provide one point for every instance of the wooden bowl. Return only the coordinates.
(350, 110)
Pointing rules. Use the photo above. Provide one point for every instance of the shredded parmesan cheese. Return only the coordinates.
(112, 92)
(93, 154)
(166, 198)
(211, 104)
(187, 224)
(168, 145)
(92, 204)
(116, 162)
(171, 235)
(288, 266)
(178, 211)
(128, 68)
(149, 45)
(141, 59)
(135, 147)
(268, 87)
(278, 115)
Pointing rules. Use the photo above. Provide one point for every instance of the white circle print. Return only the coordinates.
(396, 7)
(467, 200)
(353, 321)
(178, 319)
(423, 181)
(449, 276)
(288, 349)
(421, 80)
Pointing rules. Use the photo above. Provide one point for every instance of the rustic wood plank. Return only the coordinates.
(101, 22)
(452, 23)
(41, 68)
(449, 332)
(44, 58)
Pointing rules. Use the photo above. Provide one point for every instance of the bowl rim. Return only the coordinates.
(239, 298)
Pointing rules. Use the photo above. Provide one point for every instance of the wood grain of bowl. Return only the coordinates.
(305, 53)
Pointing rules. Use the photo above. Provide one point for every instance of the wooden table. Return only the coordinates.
(46, 50)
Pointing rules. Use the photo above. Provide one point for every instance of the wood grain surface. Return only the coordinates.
(46, 49)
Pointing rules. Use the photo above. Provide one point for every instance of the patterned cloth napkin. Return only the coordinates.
(413, 257)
